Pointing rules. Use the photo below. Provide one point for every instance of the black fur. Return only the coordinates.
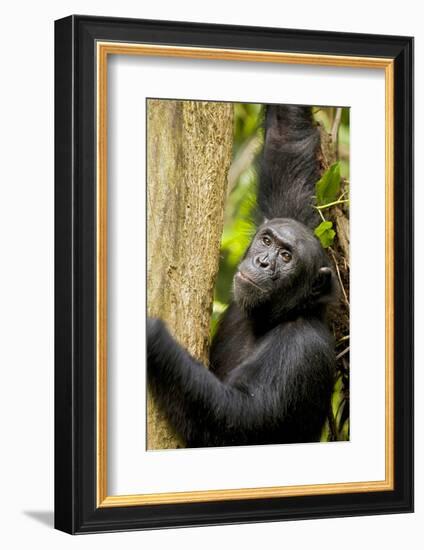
(289, 166)
(272, 359)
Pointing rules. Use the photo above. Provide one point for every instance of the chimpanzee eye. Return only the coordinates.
(286, 256)
(266, 240)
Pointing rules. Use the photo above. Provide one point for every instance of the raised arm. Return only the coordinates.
(289, 164)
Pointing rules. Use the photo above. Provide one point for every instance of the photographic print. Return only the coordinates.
(233, 334)
(247, 273)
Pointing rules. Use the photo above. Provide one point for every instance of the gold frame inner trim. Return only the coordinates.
(119, 48)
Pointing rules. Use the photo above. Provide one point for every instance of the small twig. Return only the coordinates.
(322, 215)
(340, 355)
(335, 130)
(343, 339)
(339, 277)
(324, 206)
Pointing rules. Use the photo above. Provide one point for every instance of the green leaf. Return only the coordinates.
(325, 233)
(328, 187)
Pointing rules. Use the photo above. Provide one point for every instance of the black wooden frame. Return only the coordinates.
(75, 274)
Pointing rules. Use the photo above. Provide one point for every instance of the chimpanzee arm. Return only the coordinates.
(290, 164)
(204, 410)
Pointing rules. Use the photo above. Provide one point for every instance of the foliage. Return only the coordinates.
(327, 191)
(328, 187)
(327, 195)
(325, 233)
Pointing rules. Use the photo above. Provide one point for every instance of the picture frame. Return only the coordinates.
(83, 45)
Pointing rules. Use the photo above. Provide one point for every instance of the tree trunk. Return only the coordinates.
(189, 149)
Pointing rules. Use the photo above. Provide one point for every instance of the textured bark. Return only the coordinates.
(189, 148)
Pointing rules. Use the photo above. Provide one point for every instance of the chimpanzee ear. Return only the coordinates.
(323, 283)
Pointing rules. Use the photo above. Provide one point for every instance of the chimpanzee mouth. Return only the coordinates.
(247, 279)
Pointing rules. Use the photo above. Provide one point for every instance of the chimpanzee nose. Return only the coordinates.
(262, 261)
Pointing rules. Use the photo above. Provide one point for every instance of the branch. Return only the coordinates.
(335, 130)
